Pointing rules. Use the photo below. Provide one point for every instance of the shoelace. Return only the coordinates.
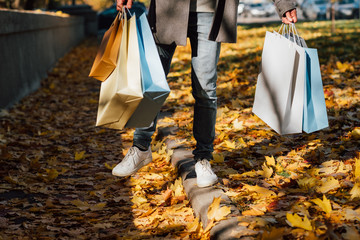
(205, 166)
(131, 153)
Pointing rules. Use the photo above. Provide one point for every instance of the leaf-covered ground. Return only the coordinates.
(55, 170)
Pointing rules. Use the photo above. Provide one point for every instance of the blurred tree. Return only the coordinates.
(332, 9)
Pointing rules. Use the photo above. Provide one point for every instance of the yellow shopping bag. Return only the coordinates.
(121, 93)
(106, 57)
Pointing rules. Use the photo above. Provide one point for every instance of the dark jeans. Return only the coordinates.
(204, 59)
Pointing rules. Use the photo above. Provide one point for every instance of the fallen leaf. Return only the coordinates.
(216, 212)
(261, 191)
(79, 155)
(274, 234)
(295, 220)
(328, 184)
(324, 204)
(357, 168)
(267, 171)
(98, 207)
(193, 226)
(355, 191)
(307, 182)
(241, 231)
(351, 234)
(138, 200)
(270, 161)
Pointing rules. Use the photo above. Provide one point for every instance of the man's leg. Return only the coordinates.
(142, 136)
(139, 154)
(205, 56)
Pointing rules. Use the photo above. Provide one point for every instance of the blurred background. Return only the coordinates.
(249, 11)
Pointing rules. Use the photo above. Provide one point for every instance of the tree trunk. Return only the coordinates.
(332, 17)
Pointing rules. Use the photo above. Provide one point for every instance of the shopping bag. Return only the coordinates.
(280, 84)
(302, 92)
(315, 115)
(106, 57)
(314, 111)
(154, 84)
(121, 93)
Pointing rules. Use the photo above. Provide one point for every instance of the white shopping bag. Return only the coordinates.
(279, 95)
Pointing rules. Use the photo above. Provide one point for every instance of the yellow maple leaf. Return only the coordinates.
(355, 191)
(328, 184)
(177, 188)
(217, 213)
(79, 155)
(138, 200)
(51, 174)
(261, 191)
(270, 161)
(324, 204)
(307, 182)
(193, 226)
(254, 211)
(295, 220)
(343, 67)
(267, 171)
(229, 144)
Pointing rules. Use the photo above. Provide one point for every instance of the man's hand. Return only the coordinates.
(121, 3)
(290, 17)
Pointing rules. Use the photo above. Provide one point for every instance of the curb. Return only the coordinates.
(201, 198)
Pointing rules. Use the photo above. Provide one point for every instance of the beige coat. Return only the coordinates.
(169, 20)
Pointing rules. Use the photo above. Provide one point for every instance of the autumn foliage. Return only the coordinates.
(56, 165)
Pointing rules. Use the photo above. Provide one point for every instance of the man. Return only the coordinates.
(206, 23)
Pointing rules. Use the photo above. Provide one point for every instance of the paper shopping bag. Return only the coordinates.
(315, 115)
(121, 93)
(154, 84)
(106, 57)
(280, 85)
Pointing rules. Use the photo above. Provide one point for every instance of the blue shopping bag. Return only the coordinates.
(315, 115)
(154, 85)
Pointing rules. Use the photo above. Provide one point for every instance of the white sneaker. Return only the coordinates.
(132, 162)
(205, 176)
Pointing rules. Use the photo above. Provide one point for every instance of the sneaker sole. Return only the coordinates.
(140, 165)
(207, 185)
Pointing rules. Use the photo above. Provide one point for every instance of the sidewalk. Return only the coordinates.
(56, 177)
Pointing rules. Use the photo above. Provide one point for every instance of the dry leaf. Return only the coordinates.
(274, 234)
(217, 213)
(261, 191)
(79, 155)
(295, 220)
(307, 182)
(267, 171)
(138, 200)
(328, 184)
(355, 191)
(270, 161)
(324, 204)
(351, 234)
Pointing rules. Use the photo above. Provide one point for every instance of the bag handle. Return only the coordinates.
(128, 11)
(286, 30)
